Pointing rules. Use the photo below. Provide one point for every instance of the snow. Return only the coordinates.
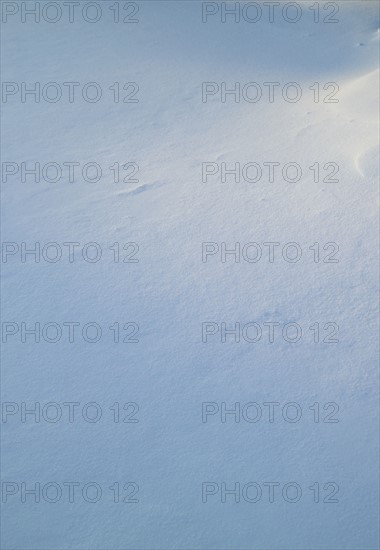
(170, 292)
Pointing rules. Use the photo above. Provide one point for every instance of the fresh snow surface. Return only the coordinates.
(169, 212)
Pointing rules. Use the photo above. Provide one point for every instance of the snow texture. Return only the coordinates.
(169, 212)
